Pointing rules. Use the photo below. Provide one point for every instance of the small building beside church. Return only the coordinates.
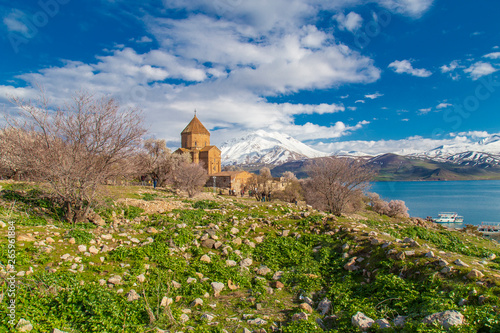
(231, 180)
(195, 140)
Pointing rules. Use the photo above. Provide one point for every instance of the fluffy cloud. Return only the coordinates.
(224, 58)
(351, 21)
(493, 55)
(479, 69)
(14, 22)
(449, 68)
(405, 66)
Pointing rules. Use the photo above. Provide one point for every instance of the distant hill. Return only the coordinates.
(392, 167)
(281, 152)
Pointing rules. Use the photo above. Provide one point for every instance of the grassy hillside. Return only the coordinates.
(162, 263)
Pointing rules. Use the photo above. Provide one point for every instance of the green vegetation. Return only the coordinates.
(271, 258)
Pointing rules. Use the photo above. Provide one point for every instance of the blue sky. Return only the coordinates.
(373, 76)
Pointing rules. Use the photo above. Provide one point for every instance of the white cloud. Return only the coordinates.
(479, 69)
(410, 145)
(311, 131)
(413, 8)
(144, 39)
(449, 68)
(443, 105)
(360, 101)
(493, 55)
(350, 22)
(424, 111)
(374, 96)
(13, 22)
(405, 66)
(223, 59)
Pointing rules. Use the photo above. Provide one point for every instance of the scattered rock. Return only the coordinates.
(93, 250)
(25, 238)
(362, 321)
(306, 307)
(141, 278)
(459, 262)
(279, 285)
(430, 254)
(166, 301)
(300, 316)
(205, 258)
(447, 270)
(399, 321)
(151, 230)
(231, 263)
(383, 323)
(208, 317)
(257, 321)
(116, 279)
(197, 302)
(324, 306)
(132, 295)
(208, 243)
(72, 240)
(23, 325)
(446, 319)
(351, 265)
(184, 318)
(217, 287)
(442, 262)
(475, 274)
(263, 270)
(246, 262)
(82, 248)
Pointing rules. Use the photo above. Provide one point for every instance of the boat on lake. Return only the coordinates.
(489, 229)
(448, 217)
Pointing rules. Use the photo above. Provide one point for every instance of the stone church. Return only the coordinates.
(195, 140)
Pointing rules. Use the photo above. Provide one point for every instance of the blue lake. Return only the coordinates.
(475, 200)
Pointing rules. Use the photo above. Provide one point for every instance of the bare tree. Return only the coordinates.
(159, 163)
(74, 147)
(292, 191)
(261, 183)
(190, 177)
(334, 181)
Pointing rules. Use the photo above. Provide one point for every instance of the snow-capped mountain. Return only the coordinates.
(266, 147)
(484, 152)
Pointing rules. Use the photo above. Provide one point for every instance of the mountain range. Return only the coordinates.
(281, 152)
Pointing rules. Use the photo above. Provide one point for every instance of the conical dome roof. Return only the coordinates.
(195, 127)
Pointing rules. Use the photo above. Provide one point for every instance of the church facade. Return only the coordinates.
(195, 140)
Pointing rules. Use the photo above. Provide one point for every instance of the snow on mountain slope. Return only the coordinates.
(486, 151)
(266, 147)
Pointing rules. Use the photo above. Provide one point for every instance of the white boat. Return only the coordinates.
(448, 217)
(489, 229)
